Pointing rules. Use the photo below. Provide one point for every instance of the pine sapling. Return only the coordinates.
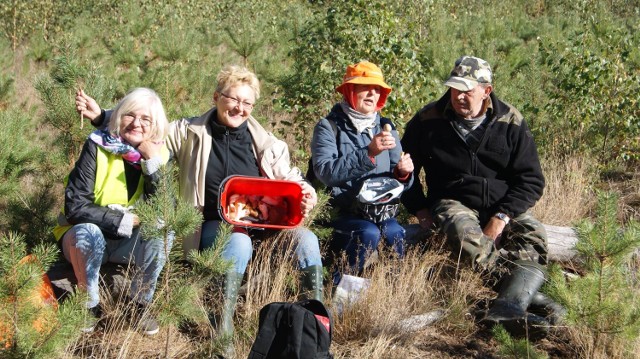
(602, 302)
(165, 217)
(57, 90)
(32, 323)
(515, 348)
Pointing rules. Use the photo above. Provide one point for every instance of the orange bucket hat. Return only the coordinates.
(364, 73)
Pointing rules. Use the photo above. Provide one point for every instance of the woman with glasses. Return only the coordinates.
(227, 141)
(118, 167)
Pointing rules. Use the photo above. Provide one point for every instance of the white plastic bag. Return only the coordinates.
(349, 291)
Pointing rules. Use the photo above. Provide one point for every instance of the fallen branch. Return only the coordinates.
(561, 240)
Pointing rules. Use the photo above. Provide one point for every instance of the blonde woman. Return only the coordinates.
(226, 141)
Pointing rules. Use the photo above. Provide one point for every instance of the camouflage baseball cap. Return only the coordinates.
(468, 72)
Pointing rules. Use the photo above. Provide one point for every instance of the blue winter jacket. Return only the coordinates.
(341, 160)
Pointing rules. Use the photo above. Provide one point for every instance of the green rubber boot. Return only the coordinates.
(516, 293)
(223, 324)
(232, 282)
(546, 307)
(311, 283)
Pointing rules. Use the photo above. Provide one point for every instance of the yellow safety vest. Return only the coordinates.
(110, 185)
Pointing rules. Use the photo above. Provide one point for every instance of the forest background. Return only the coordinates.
(571, 67)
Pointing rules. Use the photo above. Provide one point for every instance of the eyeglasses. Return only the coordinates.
(235, 102)
(144, 121)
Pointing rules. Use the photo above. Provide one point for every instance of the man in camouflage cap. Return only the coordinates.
(482, 174)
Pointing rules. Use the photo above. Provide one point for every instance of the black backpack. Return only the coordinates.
(293, 331)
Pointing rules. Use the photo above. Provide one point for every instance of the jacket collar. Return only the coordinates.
(260, 137)
(337, 114)
(218, 129)
(199, 124)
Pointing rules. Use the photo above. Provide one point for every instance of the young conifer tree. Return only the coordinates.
(604, 301)
(57, 89)
(25, 208)
(515, 348)
(32, 326)
(180, 287)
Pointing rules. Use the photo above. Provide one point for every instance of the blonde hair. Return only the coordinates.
(141, 99)
(232, 75)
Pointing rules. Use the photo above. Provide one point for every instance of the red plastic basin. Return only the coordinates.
(289, 191)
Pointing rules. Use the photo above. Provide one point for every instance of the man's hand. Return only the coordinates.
(493, 229)
(87, 106)
(424, 218)
(309, 198)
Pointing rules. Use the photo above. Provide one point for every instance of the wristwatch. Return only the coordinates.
(503, 217)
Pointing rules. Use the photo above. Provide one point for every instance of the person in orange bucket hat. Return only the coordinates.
(364, 73)
(356, 153)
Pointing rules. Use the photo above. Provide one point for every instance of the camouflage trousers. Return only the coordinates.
(524, 238)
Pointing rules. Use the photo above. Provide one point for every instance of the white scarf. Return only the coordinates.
(359, 120)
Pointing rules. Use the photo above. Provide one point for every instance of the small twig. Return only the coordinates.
(80, 87)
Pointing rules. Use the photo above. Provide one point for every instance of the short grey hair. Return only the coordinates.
(144, 99)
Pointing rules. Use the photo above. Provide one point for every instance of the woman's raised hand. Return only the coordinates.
(149, 149)
(405, 165)
(309, 198)
(87, 106)
(382, 141)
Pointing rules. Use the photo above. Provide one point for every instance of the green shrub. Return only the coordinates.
(595, 96)
(342, 33)
(603, 301)
(18, 157)
(29, 328)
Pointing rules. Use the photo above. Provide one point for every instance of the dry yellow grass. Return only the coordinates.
(420, 283)
(568, 194)
(627, 185)
(584, 346)
(399, 289)
(118, 337)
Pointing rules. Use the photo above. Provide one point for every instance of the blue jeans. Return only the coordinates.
(358, 238)
(86, 248)
(239, 248)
